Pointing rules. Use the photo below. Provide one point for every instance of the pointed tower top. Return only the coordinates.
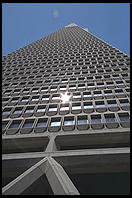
(73, 24)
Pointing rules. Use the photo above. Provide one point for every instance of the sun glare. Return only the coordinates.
(65, 97)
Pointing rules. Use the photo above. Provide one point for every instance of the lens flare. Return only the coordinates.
(65, 97)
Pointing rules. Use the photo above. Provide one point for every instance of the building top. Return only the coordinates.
(73, 24)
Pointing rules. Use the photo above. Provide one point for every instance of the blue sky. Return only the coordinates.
(23, 23)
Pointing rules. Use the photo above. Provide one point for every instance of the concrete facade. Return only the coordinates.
(66, 116)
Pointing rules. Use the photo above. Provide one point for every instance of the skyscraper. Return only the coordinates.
(65, 116)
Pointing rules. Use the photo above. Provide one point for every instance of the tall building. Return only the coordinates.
(65, 117)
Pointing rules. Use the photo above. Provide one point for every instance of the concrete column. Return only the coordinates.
(58, 179)
(51, 145)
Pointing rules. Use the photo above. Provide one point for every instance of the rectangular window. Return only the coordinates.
(35, 99)
(97, 93)
(52, 109)
(108, 92)
(45, 98)
(69, 121)
(17, 91)
(88, 105)
(82, 120)
(17, 111)
(124, 102)
(55, 123)
(25, 99)
(14, 100)
(124, 117)
(15, 124)
(111, 103)
(99, 104)
(29, 110)
(26, 91)
(4, 124)
(110, 118)
(56, 97)
(96, 118)
(87, 95)
(6, 111)
(76, 106)
(41, 109)
(42, 123)
(35, 90)
(28, 124)
(7, 92)
(5, 100)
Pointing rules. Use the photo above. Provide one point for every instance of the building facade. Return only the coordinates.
(65, 117)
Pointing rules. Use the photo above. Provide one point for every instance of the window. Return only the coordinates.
(44, 89)
(28, 124)
(111, 103)
(25, 99)
(14, 100)
(100, 84)
(110, 118)
(35, 99)
(88, 105)
(17, 91)
(55, 123)
(45, 98)
(81, 86)
(76, 96)
(99, 104)
(124, 102)
(108, 92)
(63, 87)
(64, 108)
(5, 101)
(15, 124)
(96, 119)
(35, 90)
(82, 120)
(87, 95)
(72, 87)
(119, 91)
(29, 110)
(124, 117)
(76, 106)
(119, 82)
(26, 91)
(41, 109)
(97, 93)
(17, 111)
(53, 88)
(69, 121)
(7, 92)
(52, 108)
(91, 85)
(42, 123)
(4, 124)
(56, 97)
(6, 111)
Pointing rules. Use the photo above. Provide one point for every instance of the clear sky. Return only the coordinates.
(23, 23)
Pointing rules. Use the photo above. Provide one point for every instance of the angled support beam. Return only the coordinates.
(18, 185)
(58, 179)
